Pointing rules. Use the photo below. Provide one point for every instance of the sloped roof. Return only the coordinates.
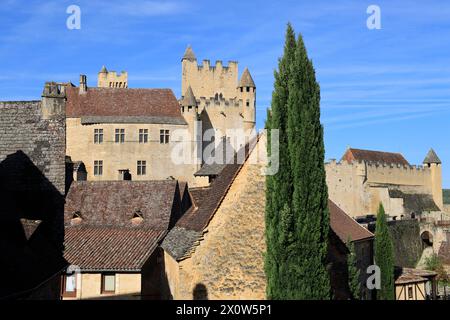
(432, 157)
(345, 227)
(103, 70)
(415, 203)
(114, 203)
(246, 79)
(214, 165)
(374, 156)
(189, 54)
(189, 98)
(99, 248)
(122, 102)
(409, 275)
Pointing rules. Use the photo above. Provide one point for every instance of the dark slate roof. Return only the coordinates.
(115, 202)
(188, 231)
(246, 79)
(119, 102)
(189, 98)
(345, 227)
(432, 157)
(416, 203)
(214, 166)
(374, 156)
(189, 54)
(103, 70)
(99, 248)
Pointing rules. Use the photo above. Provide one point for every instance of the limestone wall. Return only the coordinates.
(119, 156)
(229, 260)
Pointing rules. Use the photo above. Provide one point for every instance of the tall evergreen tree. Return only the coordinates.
(384, 256)
(353, 271)
(278, 186)
(297, 218)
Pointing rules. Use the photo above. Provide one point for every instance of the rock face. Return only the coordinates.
(228, 262)
(407, 244)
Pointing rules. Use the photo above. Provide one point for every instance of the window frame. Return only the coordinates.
(164, 136)
(98, 168)
(68, 294)
(119, 136)
(102, 289)
(98, 136)
(143, 135)
(141, 167)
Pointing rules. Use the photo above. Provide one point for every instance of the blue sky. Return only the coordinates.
(385, 89)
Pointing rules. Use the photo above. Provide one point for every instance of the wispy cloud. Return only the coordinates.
(142, 8)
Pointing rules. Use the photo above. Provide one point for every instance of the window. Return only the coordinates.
(69, 285)
(164, 136)
(98, 136)
(120, 136)
(248, 89)
(410, 293)
(247, 103)
(143, 135)
(108, 283)
(141, 168)
(98, 167)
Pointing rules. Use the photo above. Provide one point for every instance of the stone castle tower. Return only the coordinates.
(215, 96)
(433, 162)
(110, 79)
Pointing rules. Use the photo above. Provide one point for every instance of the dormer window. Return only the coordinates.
(76, 218)
(138, 218)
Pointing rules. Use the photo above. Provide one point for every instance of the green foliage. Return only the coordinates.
(384, 256)
(446, 193)
(297, 218)
(353, 271)
(434, 263)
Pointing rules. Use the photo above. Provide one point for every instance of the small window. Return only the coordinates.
(242, 89)
(410, 293)
(98, 167)
(247, 103)
(141, 168)
(69, 285)
(108, 283)
(164, 136)
(120, 136)
(248, 89)
(98, 136)
(143, 135)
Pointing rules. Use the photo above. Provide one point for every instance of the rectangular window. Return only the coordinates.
(143, 135)
(98, 136)
(98, 167)
(120, 136)
(69, 285)
(410, 293)
(164, 136)
(141, 168)
(108, 283)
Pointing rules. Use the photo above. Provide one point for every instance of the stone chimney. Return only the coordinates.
(83, 84)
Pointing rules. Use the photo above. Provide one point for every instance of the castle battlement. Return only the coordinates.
(377, 165)
(213, 102)
(206, 66)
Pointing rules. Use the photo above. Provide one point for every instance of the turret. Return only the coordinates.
(188, 68)
(53, 100)
(247, 92)
(433, 162)
(110, 79)
(189, 110)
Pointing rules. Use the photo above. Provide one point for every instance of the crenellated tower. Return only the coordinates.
(433, 162)
(111, 79)
(247, 93)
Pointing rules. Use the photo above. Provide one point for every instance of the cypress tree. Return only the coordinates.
(278, 186)
(297, 218)
(384, 256)
(353, 272)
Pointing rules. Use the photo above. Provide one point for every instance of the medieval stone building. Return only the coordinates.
(363, 179)
(121, 132)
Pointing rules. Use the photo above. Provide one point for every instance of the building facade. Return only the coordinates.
(363, 179)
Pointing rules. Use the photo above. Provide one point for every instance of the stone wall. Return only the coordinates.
(229, 260)
(407, 243)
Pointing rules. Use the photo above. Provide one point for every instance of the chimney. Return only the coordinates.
(83, 84)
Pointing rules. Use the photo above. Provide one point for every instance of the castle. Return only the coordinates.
(363, 179)
(119, 132)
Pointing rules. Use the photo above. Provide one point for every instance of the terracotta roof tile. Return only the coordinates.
(345, 227)
(97, 248)
(122, 102)
(374, 156)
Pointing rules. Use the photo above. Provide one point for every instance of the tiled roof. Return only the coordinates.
(189, 229)
(432, 157)
(409, 275)
(122, 102)
(415, 203)
(374, 156)
(97, 248)
(246, 79)
(345, 227)
(189, 98)
(214, 166)
(114, 203)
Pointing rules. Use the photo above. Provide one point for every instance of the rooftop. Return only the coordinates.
(374, 156)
